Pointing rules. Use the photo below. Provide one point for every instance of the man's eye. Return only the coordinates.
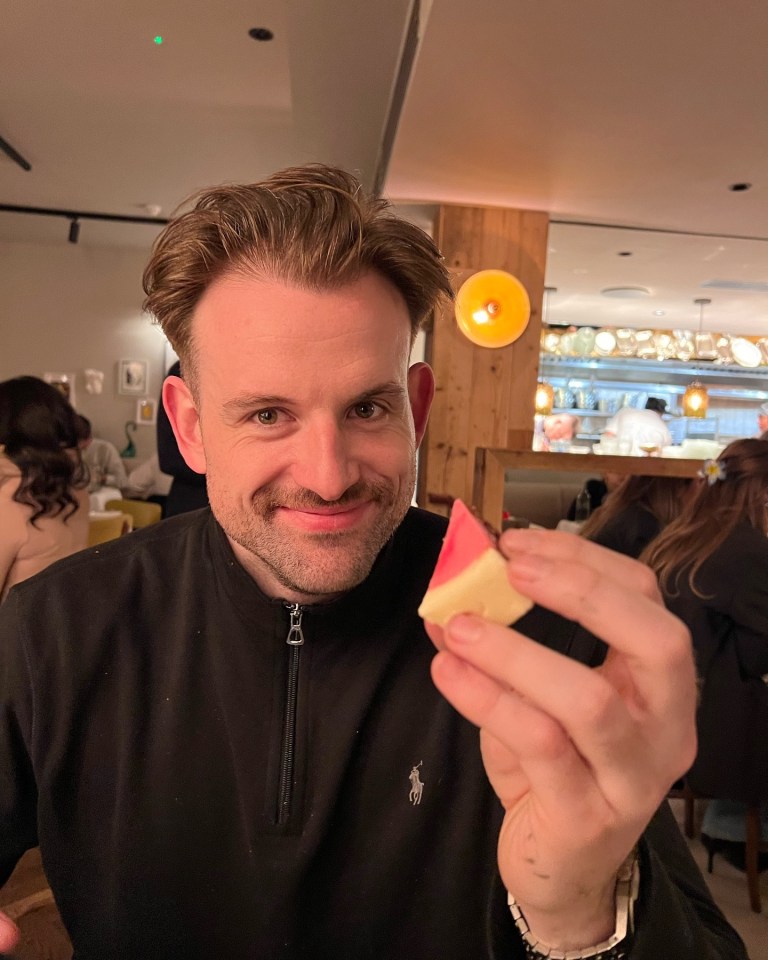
(366, 410)
(267, 417)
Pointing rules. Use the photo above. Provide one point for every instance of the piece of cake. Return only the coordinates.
(471, 576)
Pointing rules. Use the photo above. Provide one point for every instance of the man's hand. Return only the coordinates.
(9, 934)
(580, 758)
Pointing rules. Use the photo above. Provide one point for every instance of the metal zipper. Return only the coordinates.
(295, 641)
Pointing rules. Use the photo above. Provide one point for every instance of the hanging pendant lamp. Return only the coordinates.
(696, 398)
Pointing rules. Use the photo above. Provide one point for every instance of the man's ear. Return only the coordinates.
(182, 412)
(421, 390)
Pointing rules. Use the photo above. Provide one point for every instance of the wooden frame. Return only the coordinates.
(133, 377)
(491, 465)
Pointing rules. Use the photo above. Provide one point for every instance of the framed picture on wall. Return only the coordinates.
(146, 411)
(64, 383)
(133, 377)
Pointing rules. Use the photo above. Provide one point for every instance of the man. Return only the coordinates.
(217, 752)
(642, 431)
(105, 467)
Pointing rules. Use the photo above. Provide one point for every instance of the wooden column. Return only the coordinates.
(485, 398)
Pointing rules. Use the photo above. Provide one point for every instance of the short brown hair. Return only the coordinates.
(313, 226)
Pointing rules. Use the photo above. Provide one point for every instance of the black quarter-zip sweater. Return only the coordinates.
(201, 787)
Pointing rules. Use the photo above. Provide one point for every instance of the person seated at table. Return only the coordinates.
(43, 496)
(711, 563)
(641, 430)
(105, 468)
(635, 511)
(148, 482)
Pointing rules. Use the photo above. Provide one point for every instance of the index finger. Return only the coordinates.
(613, 596)
(557, 545)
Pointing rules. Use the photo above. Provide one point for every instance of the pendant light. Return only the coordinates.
(544, 399)
(696, 398)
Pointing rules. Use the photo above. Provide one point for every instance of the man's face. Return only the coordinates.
(306, 423)
(762, 422)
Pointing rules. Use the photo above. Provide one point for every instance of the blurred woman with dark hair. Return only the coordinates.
(43, 495)
(712, 565)
(635, 511)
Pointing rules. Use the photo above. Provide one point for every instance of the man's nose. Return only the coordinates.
(325, 461)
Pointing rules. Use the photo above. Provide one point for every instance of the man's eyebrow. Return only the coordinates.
(255, 401)
(390, 389)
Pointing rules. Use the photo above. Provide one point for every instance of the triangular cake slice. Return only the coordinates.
(470, 576)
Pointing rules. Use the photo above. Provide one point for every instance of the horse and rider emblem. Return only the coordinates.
(417, 786)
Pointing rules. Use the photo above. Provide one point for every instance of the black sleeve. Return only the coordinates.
(168, 453)
(18, 791)
(675, 916)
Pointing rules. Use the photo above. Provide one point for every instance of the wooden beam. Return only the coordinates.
(482, 394)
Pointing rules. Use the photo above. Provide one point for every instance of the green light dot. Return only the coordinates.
(158, 40)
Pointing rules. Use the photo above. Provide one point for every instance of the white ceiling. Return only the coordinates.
(637, 113)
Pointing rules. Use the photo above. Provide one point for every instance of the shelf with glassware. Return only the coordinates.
(606, 384)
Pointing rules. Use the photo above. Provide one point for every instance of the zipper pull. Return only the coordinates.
(295, 636)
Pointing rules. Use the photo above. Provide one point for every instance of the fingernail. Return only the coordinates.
(465, 629)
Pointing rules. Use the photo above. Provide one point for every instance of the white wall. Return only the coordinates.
(65, 307)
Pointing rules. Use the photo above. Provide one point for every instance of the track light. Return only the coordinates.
(74, 231)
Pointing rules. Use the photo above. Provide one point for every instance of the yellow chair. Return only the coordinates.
(144, 514)
(101, 529)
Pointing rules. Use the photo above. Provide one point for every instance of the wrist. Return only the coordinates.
(601, 932)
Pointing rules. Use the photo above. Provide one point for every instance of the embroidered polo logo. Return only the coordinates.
(417, 787)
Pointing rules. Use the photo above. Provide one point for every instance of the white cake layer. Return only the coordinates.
(481, 588)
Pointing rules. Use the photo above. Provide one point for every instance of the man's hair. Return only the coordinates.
(657, 404)
(312, 226)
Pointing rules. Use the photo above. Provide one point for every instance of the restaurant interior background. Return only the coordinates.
(637, 128)
(639, 117)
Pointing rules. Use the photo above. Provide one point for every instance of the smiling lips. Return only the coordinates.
(332, 519)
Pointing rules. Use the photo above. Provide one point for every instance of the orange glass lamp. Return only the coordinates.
(545, 398)
(492, 308)
(695, 400)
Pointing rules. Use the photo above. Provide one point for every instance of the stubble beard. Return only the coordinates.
(317, 565)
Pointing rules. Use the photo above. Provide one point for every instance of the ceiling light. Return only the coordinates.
(740, 187)
(626, 293)
(659, 313)
(260, 33)
(74, 231)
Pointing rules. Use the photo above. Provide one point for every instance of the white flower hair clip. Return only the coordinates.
(712, 471)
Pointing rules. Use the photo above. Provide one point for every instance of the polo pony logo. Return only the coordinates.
(417, 787)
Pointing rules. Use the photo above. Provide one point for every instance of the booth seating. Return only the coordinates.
(143, 513)
(542, 496)
(108, 525)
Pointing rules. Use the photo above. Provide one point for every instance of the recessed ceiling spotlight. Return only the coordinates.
(624, 253)
(659, 313)
(740, 187)
(260, 33)
(626, 293)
